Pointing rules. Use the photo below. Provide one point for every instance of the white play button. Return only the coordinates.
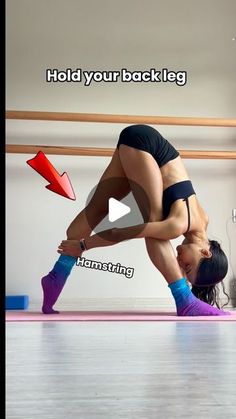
(117, 209)
(118, 213)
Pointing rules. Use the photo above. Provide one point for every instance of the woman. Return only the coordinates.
(143, 157)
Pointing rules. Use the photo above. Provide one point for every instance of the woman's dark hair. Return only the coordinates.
(211, 272)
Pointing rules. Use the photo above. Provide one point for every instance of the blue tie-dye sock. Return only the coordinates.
(53, 283)
(189, 305)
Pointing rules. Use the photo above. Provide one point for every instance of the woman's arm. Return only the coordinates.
(171, 228)
(164, 230)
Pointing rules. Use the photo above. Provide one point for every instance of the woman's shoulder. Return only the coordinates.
(180, 219)
(202, 215)
(195, 214)
(199, 218)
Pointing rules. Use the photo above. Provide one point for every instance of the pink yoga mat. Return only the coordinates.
(77, 316)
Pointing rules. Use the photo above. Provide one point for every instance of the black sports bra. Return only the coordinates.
(187, 203)
(180, 190)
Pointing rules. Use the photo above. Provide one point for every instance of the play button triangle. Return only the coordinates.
(117, 209)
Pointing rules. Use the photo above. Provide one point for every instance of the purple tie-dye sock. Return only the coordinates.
(189, 305)
(53, 283)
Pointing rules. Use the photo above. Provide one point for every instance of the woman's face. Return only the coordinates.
(189, 257)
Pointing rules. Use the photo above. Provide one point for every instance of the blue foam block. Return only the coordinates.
(16, 302)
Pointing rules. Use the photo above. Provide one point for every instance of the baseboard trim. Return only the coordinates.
(119, 304)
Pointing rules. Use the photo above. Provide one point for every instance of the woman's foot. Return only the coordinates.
(189, 305)
(200, 308)
(52, 285)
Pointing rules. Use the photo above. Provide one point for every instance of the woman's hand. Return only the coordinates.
(70, 248)
(104, 238)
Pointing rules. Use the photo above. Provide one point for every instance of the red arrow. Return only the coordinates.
(59, 184)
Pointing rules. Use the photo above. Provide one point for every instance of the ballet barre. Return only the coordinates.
(106, 152)
(120, 119)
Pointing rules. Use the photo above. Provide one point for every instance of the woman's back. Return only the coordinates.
(173, 172)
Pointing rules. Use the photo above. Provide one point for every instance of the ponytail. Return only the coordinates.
(210, 294)
(211, 272)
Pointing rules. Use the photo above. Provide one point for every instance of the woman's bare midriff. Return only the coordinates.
(174, 172)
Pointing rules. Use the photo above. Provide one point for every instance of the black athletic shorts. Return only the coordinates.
(146, 138)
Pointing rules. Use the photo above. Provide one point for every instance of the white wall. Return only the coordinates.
(109, 35)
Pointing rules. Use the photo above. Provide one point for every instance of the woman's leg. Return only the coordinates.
(149, 177)
(142, 168)
(112, 183)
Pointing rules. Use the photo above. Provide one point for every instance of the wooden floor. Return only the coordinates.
(125, 370)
